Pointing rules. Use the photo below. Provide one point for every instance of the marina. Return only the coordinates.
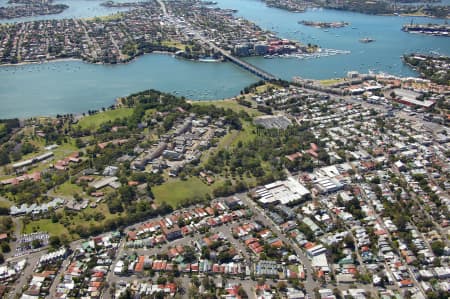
(320, 53)
(324, 24)
(391, 43)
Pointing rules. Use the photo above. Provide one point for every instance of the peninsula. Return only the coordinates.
(189, 29)
(27, 8)
(433, 67)
(378, 7)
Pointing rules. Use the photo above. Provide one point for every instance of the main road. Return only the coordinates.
(310, 284)
(239, 62)
(245, 65)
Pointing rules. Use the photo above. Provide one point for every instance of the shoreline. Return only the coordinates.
(41, 62)
(117, 105)
(69, 59)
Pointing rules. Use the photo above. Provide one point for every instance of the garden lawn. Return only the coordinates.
(230, 104)
(86, 216)
(94, 121)
(176, 192)
(46, 225)
(4, 203)
(68, 189)
(328, 82)
(175, 44)
(231, 139)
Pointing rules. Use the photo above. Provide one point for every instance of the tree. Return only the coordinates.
(242, 293)
(127, 193)
(349, 242)
(114, 206)
(195, 281)
(401, 221)
(77, 197)
(281, 285)
(5, 247)
(55, 218)
(323, 156)
(189, 254)
(438, 247)
(126, 295)
(440, 294)
(206, 283)
(64, 240)
(161, 280)
(193, 292)
(36, 243)
(79, 143)
(54, 241)
(6, 223)
(4, 157)
(27, 148)
(337, 293)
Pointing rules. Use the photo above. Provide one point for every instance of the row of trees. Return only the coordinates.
(134, 214)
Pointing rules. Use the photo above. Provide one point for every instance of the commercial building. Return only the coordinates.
(284, 192)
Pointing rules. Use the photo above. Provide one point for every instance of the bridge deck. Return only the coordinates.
(249, 67)
(253, 69)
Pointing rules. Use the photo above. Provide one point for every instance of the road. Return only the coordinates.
(253, 69)
(25, 276)
(310, 283)
(94, 47)
(18, 225)
(381, 222)
(349, 230)
(241, 63)
(58, 277)
(163, 8)
(188, 240)
(111, 279)
(430, 126)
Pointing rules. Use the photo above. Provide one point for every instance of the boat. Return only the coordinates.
(208, 59)
(366, 40)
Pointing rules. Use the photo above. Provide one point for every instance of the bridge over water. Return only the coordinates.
(245, 65)
(239, 62)
(249, 67)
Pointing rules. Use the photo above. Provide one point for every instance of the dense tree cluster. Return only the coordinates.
(7, 127)
(430, 67)
(247, 163)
